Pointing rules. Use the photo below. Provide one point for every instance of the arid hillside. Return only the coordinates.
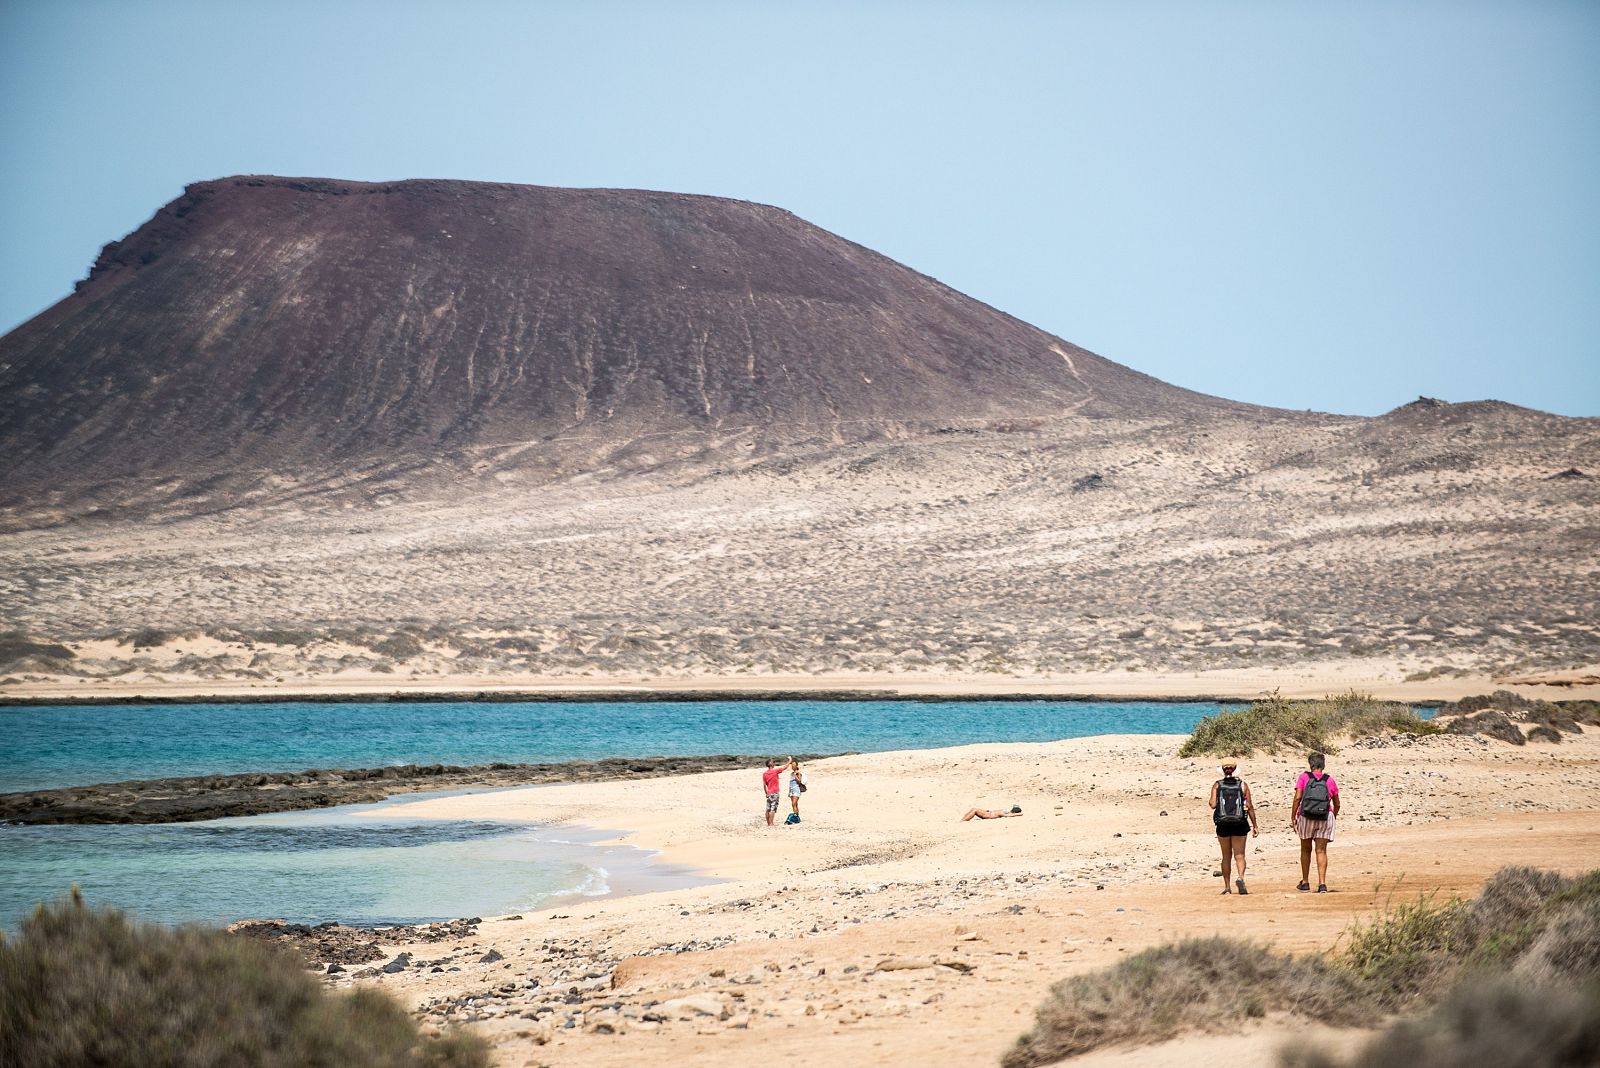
(1440, 539)
(313, 430)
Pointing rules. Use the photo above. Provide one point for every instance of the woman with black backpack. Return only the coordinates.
(1235, 816)
(1316, 803)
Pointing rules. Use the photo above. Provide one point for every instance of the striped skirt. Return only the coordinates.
(1314, 828)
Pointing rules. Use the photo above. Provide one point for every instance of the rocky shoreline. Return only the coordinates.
(634, 696)
(331, 946)
(205, 797)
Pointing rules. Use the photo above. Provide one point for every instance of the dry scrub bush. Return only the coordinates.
(1568, 948)
(1496, 1022)
(1494, 724)
(1504, 917)
(400, 646)
(1537, 927)
(1546, 926)
(91, 987)
(1408, 949)
(1502, 715)
(1278, 723)
(1194, 984)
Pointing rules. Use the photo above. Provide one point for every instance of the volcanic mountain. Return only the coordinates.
(317, 328)
(321, 430)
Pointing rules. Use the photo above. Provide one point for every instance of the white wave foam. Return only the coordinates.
(596, 883)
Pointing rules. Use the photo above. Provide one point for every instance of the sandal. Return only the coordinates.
(1322, 888)
(1240, 884)
(1303, 887)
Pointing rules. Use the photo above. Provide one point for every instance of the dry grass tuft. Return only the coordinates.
(1485, 1022)
(1194, 984)
(1537, 928)
(1409, 949)
(1277, 723)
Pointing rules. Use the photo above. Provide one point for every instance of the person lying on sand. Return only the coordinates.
(991, 813)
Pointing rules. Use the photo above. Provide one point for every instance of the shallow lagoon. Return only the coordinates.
(355, 865)
(350, 864)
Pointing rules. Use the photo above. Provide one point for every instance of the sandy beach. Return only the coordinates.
(1382, 678)
(884, 931)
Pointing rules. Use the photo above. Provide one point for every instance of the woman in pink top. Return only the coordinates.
(1312, 819)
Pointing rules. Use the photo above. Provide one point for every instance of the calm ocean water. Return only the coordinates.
(330, 865)
(48, 746)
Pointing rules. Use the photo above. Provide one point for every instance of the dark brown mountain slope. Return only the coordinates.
(311, 326)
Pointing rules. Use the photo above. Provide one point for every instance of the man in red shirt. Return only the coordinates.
(769, 780)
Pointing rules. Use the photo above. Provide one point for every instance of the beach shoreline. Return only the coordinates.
(1384, 681)
(823, 939)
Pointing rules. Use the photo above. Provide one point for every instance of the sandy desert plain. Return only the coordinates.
(1439, 558)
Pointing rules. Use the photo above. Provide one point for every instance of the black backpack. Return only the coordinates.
(1314, 799)
(1230, 800)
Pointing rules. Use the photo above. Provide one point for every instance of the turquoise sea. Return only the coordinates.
(330, 865)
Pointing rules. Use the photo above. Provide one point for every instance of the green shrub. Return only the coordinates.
(1494, 724)
(17, 648)
(1537, 927)
(149, 638)
(1545, 925)
(91, 987)
(1487, 1022)
(1277, 723)
(400, 646)
(1408, 949)
(1265, 725)
(1505, 916)
(279, 636)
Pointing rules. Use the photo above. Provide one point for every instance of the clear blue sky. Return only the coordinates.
(1321, 205)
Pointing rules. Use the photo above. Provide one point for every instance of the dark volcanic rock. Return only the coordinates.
(1089, 482)
(204, 797)
(315, 327)
(336, 945)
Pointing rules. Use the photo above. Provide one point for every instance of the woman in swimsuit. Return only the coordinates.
(991, 813)
(797, 786)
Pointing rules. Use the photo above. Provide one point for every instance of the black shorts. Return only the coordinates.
(1232, 828)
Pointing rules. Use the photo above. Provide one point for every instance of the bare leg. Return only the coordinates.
(971, 812)
(1322, 861)
(769, 817)
(794, 803)
(1305, 860)
(1238, 854)
(1227, 863)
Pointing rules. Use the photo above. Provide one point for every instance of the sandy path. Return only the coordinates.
(1114, 853)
